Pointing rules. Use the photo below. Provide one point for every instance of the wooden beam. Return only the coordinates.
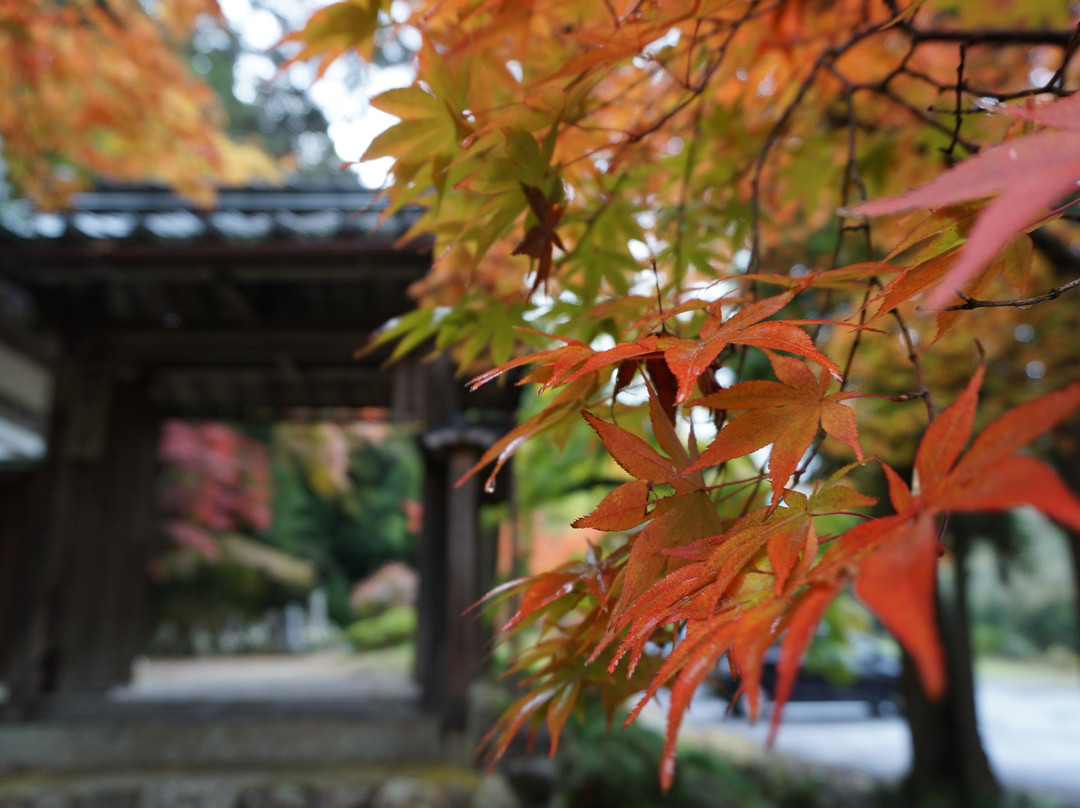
(377, 258)
(429, 666)
(348, 375)
(293, 269)
(238, 392)
(155, 347)
(21, 515)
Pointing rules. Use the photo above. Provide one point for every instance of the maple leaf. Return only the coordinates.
(786, 414)
(1027, 174)
(568, 400)
(991, 476)
(680, 519)
(541, 239)
(896, 556)
(624, 507)
(633, 454)
(336, 29)
(663, 384)
(625, 354)
(569, 605)
(715, 564)
(1013, 262)
(689, 359)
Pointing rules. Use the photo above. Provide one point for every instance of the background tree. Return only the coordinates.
(336, 501)
(646, 196)
(102, 89)
(341, 496)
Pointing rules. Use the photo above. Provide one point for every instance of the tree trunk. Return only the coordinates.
(949, 766)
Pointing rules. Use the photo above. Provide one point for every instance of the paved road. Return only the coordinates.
(1031, 732)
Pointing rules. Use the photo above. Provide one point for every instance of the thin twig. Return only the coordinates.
(913, 356)
(973, 303)
(949, 151)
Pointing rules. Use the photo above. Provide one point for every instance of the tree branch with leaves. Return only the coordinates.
(650, 191)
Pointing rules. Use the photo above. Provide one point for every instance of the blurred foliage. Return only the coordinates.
(339, 499)
(264, 104)
(395, 626)
(210, 595)
(215, 480)
(567, 463)
(616, 769)
(602, 769)
(1020, 589)
(831, 653)
(92, 90)
(343, 496)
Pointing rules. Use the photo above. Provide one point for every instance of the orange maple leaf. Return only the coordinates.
(786, 414)
(689, 359)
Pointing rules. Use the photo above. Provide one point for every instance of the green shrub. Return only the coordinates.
(394, 626)
(618, 769)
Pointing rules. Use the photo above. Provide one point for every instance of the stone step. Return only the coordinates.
(218, 741)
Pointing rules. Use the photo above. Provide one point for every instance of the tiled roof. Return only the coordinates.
(300, 212)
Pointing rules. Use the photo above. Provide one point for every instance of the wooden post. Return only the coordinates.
(453, 574)
(21, 515)
(103, 585)
(430, 663)
(465, 652)
(77, 614)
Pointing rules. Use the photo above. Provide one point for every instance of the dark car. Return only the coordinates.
(866, 674)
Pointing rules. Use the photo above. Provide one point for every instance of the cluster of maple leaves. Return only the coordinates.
(91, 89)
(558, 148)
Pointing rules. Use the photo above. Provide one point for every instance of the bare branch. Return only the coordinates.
(995, 36)
(973, 303)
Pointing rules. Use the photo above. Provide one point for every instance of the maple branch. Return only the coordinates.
(853, 176)
(920, 378)
(1055, 84)
(590, 222)
(812, 453)
(958, 114)
(974, 303)
(926, 118)
(993, 36)
(916, 363)
(684, 192)
(699, 88)
(1058, 79)
(897, 399)
(824, 60)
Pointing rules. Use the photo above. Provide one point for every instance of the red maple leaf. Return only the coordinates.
(893, 559)
(541, 239)
(785, 413)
